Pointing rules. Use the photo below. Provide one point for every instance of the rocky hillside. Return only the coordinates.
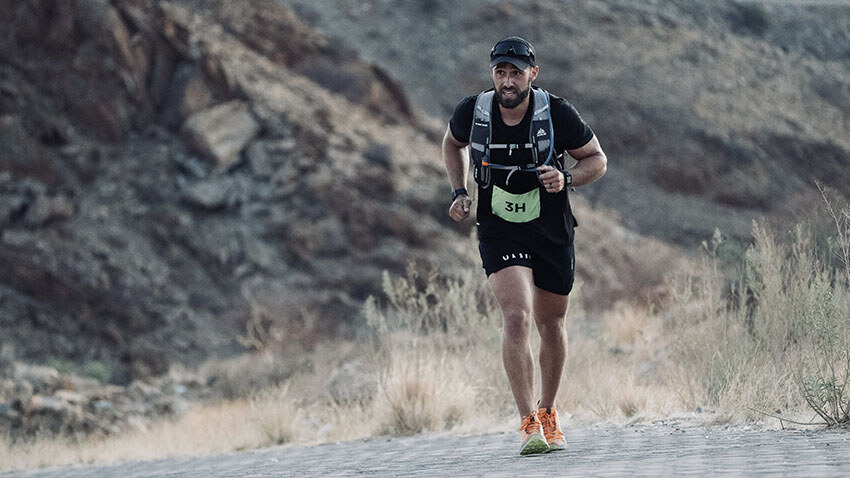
(712, 113)
(165, 169)
(187, 179)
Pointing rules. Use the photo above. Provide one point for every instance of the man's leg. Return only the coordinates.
(550, 312)
(513, 287)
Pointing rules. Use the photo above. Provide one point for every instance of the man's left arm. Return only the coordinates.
(591, 165)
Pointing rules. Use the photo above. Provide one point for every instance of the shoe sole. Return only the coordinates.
(556, 447)
(536, 444)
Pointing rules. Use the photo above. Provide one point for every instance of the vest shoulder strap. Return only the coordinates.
(541, 131)
(480, 133)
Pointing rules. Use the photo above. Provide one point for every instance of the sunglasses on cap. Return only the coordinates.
(512, 48)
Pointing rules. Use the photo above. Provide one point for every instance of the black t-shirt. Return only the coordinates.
(555, 224)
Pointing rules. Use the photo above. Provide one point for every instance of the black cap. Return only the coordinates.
(514, 50)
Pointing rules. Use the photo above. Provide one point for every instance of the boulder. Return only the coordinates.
(186, 94)
(221, 132)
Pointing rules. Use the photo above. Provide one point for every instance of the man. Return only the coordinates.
(525, 224)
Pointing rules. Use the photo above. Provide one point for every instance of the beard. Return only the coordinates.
(519, 97)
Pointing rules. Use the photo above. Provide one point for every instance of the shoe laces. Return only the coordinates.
(530, 423)
(550, 422)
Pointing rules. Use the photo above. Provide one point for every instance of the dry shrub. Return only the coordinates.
(279, 320)
(436, 349)
(242, 376)
(276, 415)
(628, 326)
(619, 375)
(423, 394)
(751, 346)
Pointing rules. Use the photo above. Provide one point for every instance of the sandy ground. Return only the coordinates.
(647, 450)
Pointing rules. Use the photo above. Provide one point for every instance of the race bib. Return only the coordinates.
(516, 207)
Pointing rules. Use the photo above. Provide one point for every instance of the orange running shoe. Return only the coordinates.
(551, 428)
(533, 440)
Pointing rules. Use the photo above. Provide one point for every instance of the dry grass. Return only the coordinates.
(617, 374)
(773, 341)
(205, 429)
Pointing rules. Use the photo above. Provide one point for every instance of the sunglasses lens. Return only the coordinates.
(512, 48)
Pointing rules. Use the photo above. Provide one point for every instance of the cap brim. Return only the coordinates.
(517, 62)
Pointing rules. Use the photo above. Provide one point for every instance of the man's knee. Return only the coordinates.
(517, 321)
(551, 320)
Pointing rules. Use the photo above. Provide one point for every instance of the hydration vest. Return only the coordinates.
(541, 138)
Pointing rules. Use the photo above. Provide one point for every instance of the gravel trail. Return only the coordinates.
(604, 450)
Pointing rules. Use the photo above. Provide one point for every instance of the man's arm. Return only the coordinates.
(592, 164)
(457, 167)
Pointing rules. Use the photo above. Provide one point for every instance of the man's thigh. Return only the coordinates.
(513, 287)
(548, 306)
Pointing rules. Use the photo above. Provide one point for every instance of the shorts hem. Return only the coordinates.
(499, 267)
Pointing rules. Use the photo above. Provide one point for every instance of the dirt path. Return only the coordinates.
(648, 450)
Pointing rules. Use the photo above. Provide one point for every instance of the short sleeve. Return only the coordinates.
(461, 120)
(571, 132)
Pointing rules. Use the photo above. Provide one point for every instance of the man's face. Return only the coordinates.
(512, 84)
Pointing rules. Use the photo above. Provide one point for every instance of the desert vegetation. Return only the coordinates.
(749, 332)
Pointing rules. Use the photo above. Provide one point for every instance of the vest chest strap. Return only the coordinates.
(510, 147)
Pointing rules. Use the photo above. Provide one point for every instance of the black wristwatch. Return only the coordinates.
(458, 192)
(568, 178)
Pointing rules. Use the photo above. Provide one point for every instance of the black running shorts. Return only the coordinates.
(553, 266)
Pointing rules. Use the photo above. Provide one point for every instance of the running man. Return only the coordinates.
(517, 134)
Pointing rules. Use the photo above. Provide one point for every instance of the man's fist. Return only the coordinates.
(551, 178)
(459, 209)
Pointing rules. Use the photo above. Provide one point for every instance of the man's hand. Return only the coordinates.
(551, 178)
(459, 209)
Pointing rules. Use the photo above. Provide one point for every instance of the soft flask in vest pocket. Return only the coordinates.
(481, 172)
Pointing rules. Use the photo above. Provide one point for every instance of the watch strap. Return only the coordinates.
(458, 192)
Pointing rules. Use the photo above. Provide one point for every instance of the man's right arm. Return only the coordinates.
(457, 167)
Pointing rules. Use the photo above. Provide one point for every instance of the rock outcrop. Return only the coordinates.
(38, 400)
(221, 132)
(164, 165)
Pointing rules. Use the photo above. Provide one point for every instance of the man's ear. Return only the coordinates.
(534, 70)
